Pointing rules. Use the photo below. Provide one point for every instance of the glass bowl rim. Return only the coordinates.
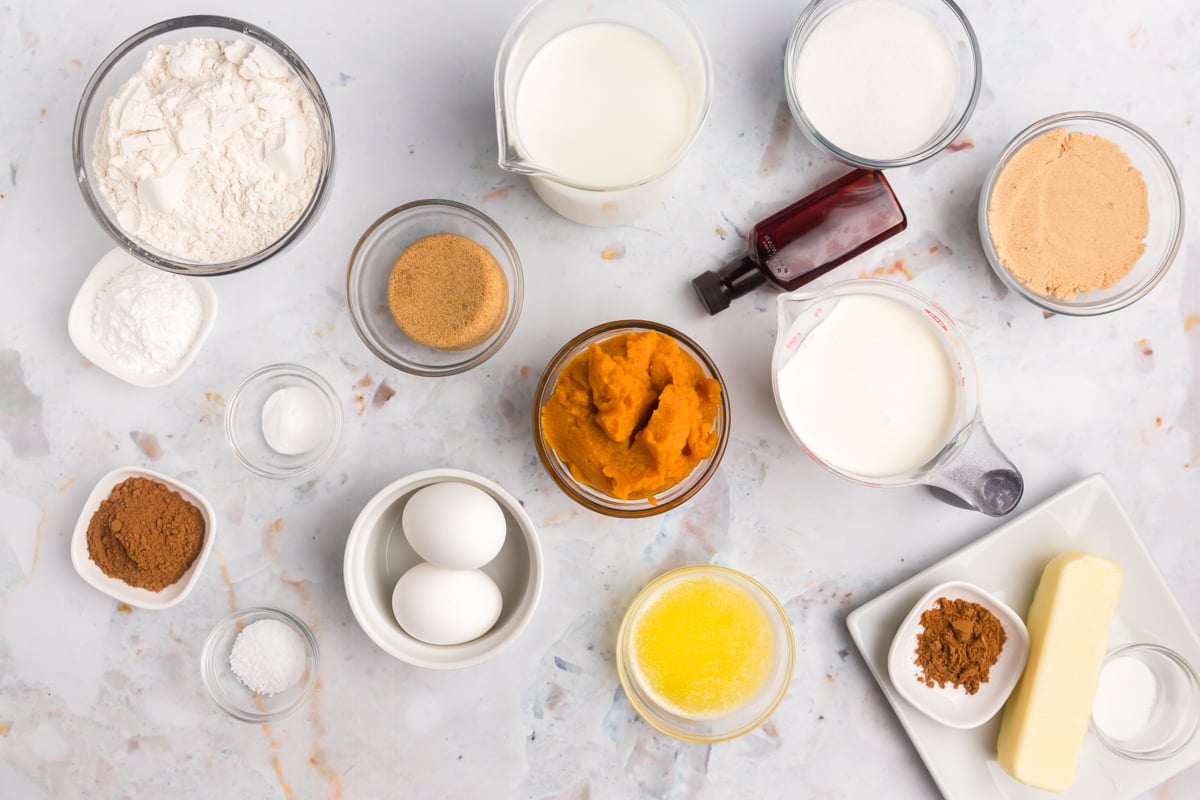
(96, 203)
(322, 387)
(1186, 669)
(624, 673)
(563, 477)
(795, 44)
(1133, 293)
(208, 672)
(516, 275)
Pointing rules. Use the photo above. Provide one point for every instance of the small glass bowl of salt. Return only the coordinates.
(1147, 705)
(283, 421)
(259, 665)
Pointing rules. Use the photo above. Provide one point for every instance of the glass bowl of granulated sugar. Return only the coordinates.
(203, 145)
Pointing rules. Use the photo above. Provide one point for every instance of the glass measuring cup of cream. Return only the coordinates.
(879, 386)
(598, 102)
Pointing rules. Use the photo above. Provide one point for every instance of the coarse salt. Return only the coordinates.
(268, 657)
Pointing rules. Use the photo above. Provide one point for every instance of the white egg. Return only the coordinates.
(454, 525)
(446, 606)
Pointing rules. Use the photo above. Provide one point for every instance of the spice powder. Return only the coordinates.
(145, 534)
(959, 645)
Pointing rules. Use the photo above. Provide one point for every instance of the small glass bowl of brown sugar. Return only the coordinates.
(435, 288)
(1107, 222)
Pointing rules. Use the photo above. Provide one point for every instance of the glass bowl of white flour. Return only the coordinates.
(203, 145)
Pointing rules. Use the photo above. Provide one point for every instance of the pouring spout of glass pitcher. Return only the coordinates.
(978, 474)
(510, 157)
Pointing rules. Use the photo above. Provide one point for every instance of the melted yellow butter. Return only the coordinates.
(703, 647)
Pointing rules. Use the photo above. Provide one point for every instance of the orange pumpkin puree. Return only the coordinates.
(632, 415)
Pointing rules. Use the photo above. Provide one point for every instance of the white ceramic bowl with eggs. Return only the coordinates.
(378, 553)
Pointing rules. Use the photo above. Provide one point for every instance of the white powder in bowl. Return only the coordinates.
(268, 657)
(294, 420)
(210, 152)
(147, 319)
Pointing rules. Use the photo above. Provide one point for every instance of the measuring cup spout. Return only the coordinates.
(790, 307)
(979, 475)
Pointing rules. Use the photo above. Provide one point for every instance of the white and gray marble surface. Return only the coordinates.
(99, 701)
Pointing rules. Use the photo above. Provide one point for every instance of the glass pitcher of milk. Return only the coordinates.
(878, 385)
(598, 101)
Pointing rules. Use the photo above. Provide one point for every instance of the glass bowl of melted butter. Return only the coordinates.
(705, 653)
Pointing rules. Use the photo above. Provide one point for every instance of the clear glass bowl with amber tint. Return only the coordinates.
(592, 498)
(742, 719)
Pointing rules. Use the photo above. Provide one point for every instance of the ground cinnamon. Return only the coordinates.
(145, 534)
(959, 645)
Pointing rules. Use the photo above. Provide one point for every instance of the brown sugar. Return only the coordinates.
(447, 292)
(959, 644)
(1069, 214)
(145, 534)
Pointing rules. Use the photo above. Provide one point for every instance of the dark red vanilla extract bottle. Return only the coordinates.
(808, 238)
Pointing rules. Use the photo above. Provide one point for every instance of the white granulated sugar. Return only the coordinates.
(210, 152)
(268, 657)
(147, 319)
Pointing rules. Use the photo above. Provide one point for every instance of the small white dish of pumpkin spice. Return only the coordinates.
(435, 288)
(143, 538)
(1082, 214)
(958, 654)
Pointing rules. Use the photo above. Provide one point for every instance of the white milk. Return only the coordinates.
(870, 390)
(876, 78)
(603, 105)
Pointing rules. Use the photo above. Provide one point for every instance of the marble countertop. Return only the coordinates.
(100, 701)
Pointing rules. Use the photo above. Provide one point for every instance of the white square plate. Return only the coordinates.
(119, 589)
(79, 322)
(1008, 563)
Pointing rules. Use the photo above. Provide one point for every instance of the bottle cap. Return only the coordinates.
(718, 289)
(712, 293)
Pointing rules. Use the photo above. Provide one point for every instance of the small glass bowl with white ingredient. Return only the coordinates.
(228, 690)
(122, 64)
(1147, 706)
(845, 77)
(283, 421)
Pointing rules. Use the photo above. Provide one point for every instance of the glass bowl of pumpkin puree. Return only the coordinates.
(631, 418)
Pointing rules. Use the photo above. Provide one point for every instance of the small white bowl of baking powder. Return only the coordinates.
(138, 323)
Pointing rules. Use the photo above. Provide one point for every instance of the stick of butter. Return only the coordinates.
(1046, 718)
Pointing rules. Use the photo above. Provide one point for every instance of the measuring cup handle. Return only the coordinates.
(980, 475)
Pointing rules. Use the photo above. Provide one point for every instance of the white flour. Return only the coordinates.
(210, 152)
(147, 319)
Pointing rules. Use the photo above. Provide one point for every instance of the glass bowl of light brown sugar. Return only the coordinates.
(1082, 214)
(435, 288)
